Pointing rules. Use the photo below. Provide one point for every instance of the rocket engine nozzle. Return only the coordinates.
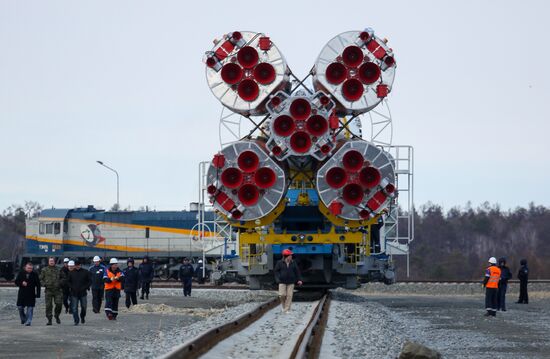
(247, 185)
(360, 177)
(351, 67)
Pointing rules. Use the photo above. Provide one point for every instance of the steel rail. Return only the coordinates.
(310, 340)
(205, 341)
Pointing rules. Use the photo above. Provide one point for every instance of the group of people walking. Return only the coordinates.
(495, 282)
(69, 287)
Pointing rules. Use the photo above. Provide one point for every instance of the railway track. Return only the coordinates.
(306, 344)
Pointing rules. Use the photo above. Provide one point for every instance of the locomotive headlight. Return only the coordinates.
(302, 237)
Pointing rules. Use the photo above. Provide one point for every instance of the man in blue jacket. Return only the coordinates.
(186, 276)
(146, 274)
(505, 275)
(130, 283)
(523, 276)
(96, 272)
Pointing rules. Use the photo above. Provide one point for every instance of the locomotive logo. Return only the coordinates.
(91, 234)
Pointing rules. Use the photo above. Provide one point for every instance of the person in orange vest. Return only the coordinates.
(492, 278)
(113, 284)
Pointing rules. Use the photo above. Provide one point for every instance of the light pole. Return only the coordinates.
(117, 183)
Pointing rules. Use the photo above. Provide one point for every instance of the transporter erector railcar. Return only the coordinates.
(303, 178)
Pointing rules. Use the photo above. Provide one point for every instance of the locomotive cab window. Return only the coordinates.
(42, 228)
(49, 228)
(56, 228)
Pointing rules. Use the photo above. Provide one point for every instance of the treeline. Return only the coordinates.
(12, 228)
(456, 244)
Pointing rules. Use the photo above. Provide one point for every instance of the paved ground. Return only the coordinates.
(379, 324)
(362, 324)
(150, 322)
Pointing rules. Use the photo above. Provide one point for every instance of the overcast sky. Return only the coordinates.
(123, 82)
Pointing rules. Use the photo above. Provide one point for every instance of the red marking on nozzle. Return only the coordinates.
(236, 214)
(370, 177)
(264, 73)
(364, 213)
(249, 195)
(389, 60)
(325, 149)
(336, 73)
(284, 126)
(265, 177)
(211, 189)
(275, 101)
(353, 160)
(352, 90)
(335, 208)
(317, 125)
(248, 90)
(236, 35)
(352, 56)
(248, 161)
(231, 73)
(336, 177)
(300, 142)
(211, 61)
(365, 36)
(232, 178)
(219, 160)
(324, 100)
(369, 73)
(276, 150)
(390, 188)
(382, 90)
(265, 43)
(353, 194)
(248, 57)
(300, 109)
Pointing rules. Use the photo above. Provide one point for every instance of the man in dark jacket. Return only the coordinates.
(287, 274)
(130, 283)
(146, 274)
(96, 272)
(79, 283)
(523, 276)
(186, 276)
(505, 275)
(52, 278)
(65, 287)
(29, 289)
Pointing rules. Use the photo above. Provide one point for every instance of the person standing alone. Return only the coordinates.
(492, 277)
(96, 273)
(79, 283)
(287, 274)
(130, 283)
(505, 276)
(29, 289)
(52, 279)
(113, 284)
(523, 276)
(186, 276)
(146, 274)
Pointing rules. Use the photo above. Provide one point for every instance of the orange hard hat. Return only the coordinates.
(287, 252)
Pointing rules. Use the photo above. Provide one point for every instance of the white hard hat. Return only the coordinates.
(96, 259)
(71, 263)
(200, 260)
(113, 261)
(493, 260)
(66, 260)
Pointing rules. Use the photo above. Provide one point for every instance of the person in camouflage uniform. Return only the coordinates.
(52, 278)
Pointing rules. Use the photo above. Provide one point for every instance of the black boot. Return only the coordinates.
(49, 321)
(57, 320)
(146, 296)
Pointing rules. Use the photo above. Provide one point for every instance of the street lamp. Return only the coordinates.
(117, 183)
